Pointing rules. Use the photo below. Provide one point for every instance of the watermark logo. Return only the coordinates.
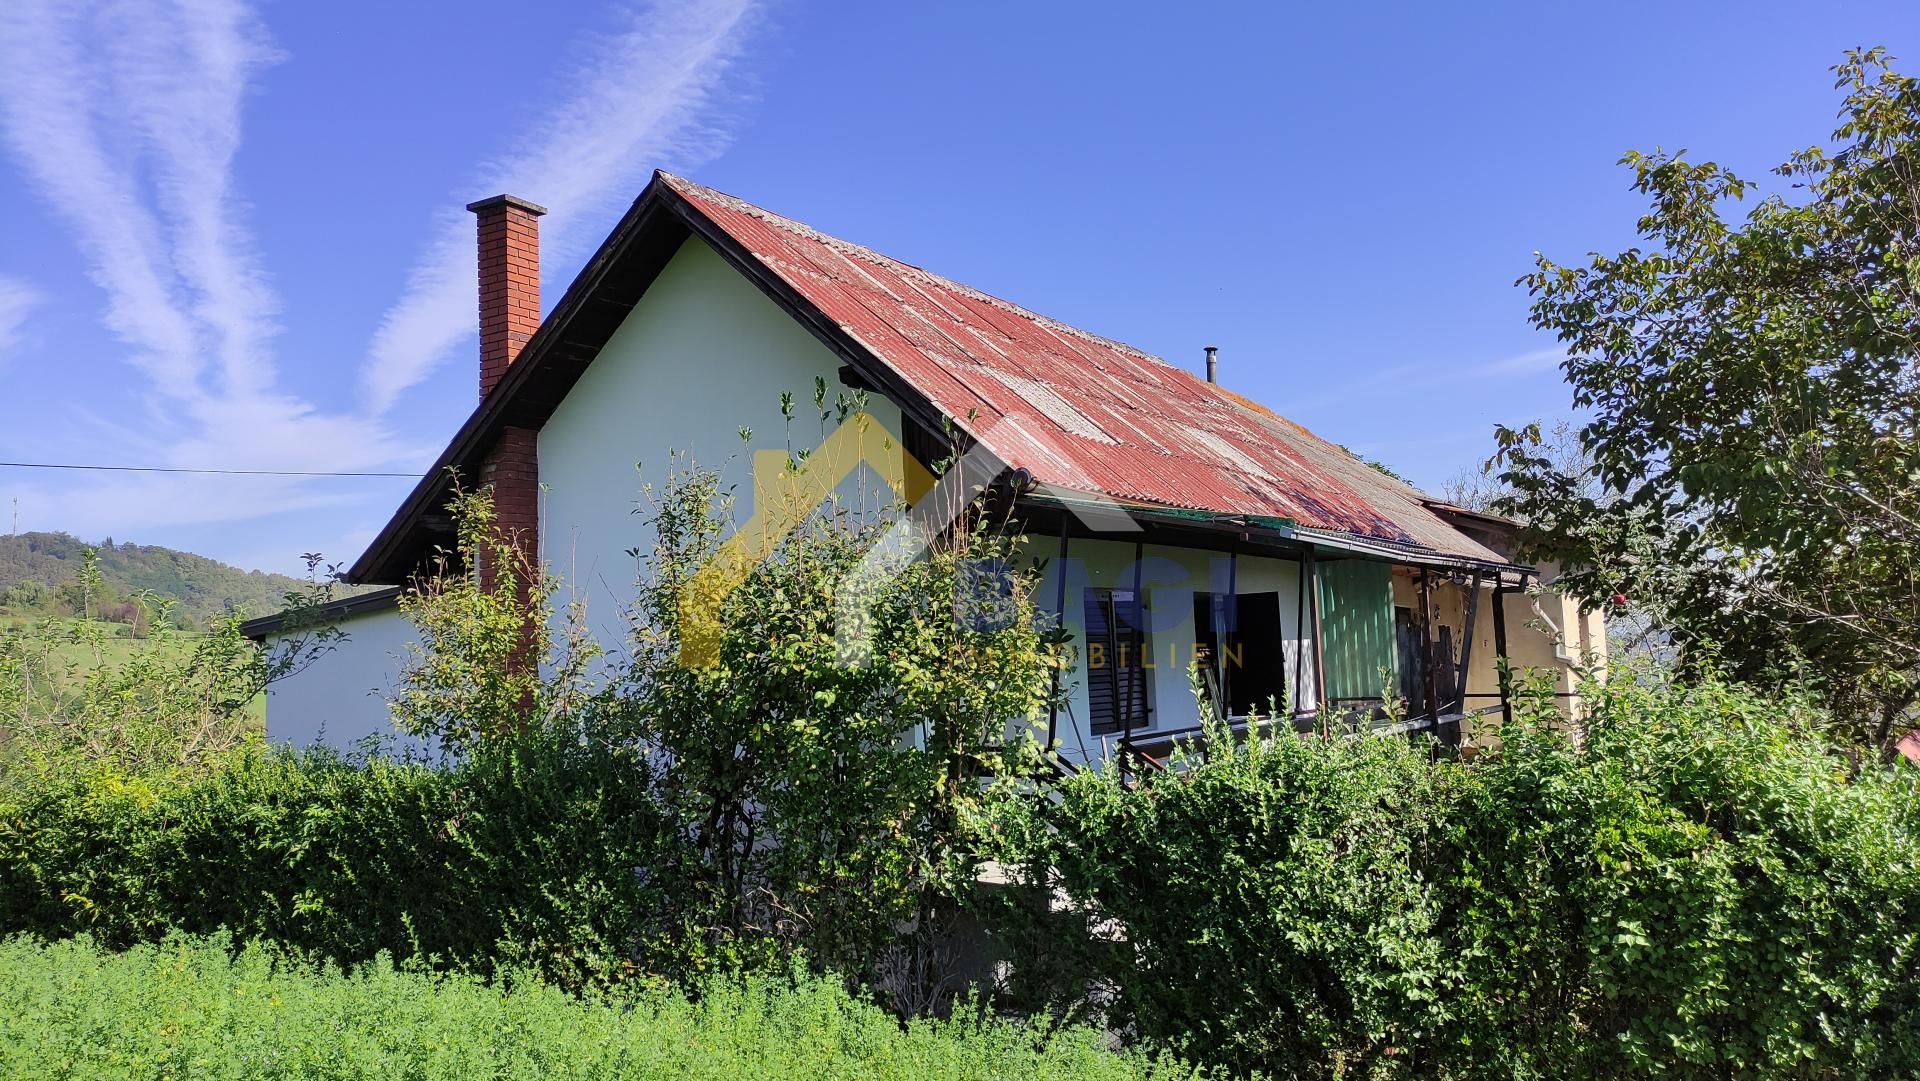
(785, 494)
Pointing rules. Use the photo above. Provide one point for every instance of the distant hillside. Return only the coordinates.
(37, 572)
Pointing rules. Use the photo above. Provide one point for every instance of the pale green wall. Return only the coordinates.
(341, 698)
(703, 354)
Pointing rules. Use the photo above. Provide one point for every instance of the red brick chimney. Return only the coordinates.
(509, 281)
(509, 233)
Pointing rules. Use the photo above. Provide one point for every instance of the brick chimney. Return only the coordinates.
(509, 229)
(509, 236)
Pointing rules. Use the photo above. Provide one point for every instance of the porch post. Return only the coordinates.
(1500, 646)
(1300, 633)
(1466, 657)
(1319, 652)
(1139, 682)
(1059, 613)
(1232, 612)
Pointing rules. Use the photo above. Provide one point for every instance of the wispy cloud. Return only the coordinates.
(17, 298)
(126, 119)
(650, 95)
(1538, 360)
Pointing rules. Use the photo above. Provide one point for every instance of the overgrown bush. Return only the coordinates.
(1701, 888)
(798, 733)
(597, 816)
(527, 855)
(189, 1007)
(1705, 887)
(1263, 908)
(816, 759)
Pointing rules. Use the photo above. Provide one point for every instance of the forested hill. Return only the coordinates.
(37, 573)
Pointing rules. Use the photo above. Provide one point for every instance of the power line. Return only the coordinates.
(222, 472)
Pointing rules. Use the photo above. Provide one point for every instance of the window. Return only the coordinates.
(1240, 650)
(1116, 662)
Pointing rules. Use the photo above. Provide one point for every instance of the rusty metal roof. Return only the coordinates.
(1077, 410)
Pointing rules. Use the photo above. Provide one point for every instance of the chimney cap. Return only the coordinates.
(484, 205)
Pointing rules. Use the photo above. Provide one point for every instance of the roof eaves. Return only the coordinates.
(362, 604)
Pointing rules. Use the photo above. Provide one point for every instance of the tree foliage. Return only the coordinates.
(39, 572)
(1755, 403)
(802, 799)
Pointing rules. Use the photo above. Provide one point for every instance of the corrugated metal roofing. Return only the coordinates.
(1089, 414)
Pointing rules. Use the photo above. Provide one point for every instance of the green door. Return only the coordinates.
(1356, 629)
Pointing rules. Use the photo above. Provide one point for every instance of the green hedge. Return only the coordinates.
(190, 1008)
(1701, 888)
(533, 856)
(1705, 887)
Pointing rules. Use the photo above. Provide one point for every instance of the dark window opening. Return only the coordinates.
(1241, 652)
(1116, 657)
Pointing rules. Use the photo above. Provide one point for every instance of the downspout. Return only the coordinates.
(1572, 667)
(1559, 640)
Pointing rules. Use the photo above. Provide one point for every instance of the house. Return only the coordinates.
(1299, 574)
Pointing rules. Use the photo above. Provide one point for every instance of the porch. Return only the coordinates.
(1273, 622)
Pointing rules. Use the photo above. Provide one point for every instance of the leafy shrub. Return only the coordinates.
(1700, 888)
(191, 1007)
(522, 855)
(794, 789)
(816, 774)
(1263, 907)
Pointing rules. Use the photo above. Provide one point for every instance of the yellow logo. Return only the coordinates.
(783, 497)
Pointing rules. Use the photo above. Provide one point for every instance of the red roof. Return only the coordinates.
(1081, 412)
(1078, 411)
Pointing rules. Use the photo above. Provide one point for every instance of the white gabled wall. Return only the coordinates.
(703, 354)
(341, 698)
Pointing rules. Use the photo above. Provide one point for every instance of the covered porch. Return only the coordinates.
(1276, 624)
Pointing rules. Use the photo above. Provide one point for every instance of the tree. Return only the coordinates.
(1754, 398)
(803, 795)
(1479, 487)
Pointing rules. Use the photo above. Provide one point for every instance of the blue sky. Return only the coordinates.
(232, 233)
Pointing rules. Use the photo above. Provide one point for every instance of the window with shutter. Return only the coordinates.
(1115, 659)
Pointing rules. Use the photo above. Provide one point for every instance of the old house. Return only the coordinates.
(1294, 571)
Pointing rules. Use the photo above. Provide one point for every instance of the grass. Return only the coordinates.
(197, 1008)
